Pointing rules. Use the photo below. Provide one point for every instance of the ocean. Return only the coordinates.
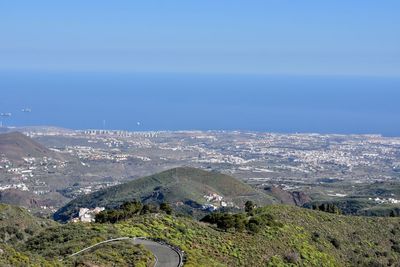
(140, 102)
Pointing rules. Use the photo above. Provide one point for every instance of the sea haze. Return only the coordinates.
(203, 102)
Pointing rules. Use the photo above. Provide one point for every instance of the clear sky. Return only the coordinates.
(300, 37)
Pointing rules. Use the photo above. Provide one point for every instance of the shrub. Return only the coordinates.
(19, 236)
(334, 242)
(396, 248)
(226, 221)
(149, 208)
(166, 208)
(253, 228)
(292, 257)
(315, 236)
(327, 207)
(374, 263)
(249, 206)
(240, 222)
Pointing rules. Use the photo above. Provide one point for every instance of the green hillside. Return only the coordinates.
(27, 240)
(274, 235)
(285, 236)
(17, 224)
(184, 188)
(288, 236)
(63, 240)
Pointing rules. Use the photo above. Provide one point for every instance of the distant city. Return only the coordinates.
(94, 159)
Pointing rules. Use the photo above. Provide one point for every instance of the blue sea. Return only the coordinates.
(140, 102)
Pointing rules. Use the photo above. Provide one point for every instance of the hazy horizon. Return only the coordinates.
(286, 104)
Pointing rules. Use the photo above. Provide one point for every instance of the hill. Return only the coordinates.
(185, 188)
(283, 236)
(295, 198)
(18, 224)
(286, 236)
(19, 229)
(19, 198)
(15, 146)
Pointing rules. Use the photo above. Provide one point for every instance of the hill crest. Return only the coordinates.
(185, 188)
(15, 146)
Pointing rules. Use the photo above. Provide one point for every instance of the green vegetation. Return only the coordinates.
(184, 188)
(274, 235)
(226, 221)
(130, 209)
(31, 241)
(359, 199)
(327, 207)
(249, 206)
(166, 208)
(360, 206)
(240, 221)
(64, 240)
(10, 257)
(114, 254)
(286, 236)
(17, 224)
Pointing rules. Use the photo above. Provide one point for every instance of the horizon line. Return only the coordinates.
(202, 130)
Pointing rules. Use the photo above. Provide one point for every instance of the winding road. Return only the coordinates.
(165, 255)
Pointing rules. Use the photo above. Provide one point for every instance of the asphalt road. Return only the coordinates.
(165, 256)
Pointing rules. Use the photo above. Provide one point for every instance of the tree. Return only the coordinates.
(253, 228)
(149, 208)
(226, 222)
(240, 222)
(101, 217)
(327, 207)
(166, 208)
(212, 218)
(131, 207)
(249, 206)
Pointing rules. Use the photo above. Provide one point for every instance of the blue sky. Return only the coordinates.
(308, 37)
